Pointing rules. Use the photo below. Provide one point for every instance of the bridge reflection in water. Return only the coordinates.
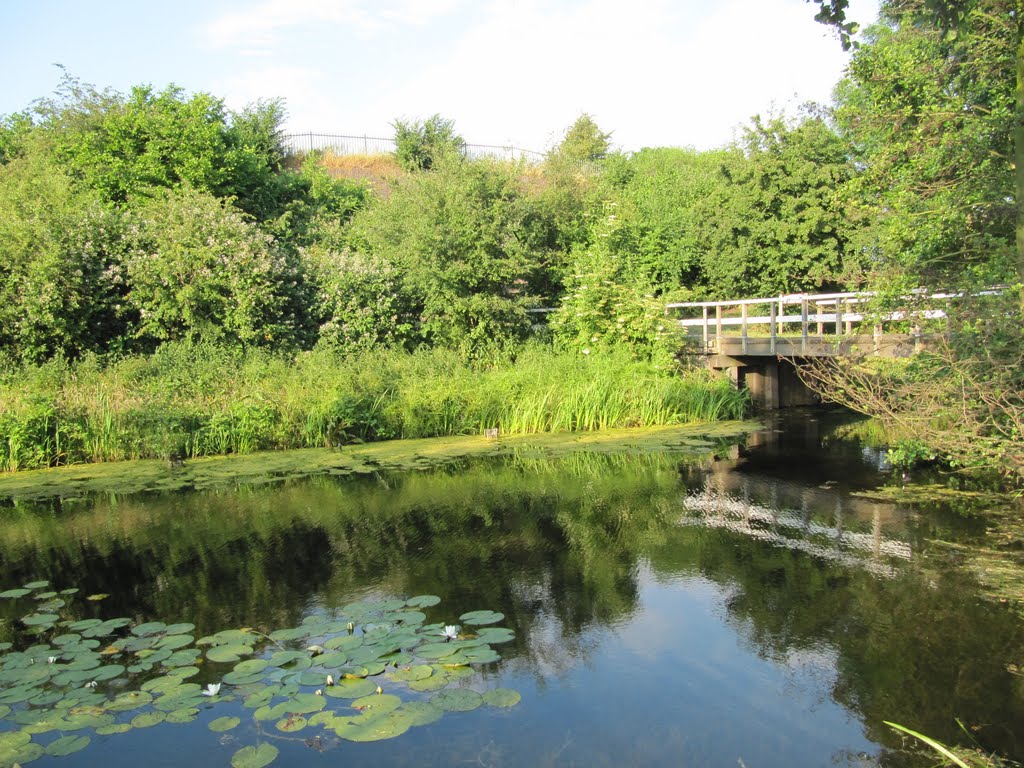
(823, 522)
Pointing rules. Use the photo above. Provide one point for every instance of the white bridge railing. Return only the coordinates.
(814, 313)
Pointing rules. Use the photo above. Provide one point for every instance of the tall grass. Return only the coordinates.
(193, 401)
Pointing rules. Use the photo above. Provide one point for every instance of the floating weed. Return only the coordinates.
(67, 675)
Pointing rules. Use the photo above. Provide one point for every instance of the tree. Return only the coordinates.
(583, 142)
(930, 119)
(420, 145)
(199, 269)
(955, 19)
(464, 239)
(61, 275)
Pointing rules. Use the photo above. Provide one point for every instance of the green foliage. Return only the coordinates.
(583, 142)
(199, 269)
(931, 118)
(908, 454)
(780, 226)
(61, 280)
(463, 240)
(422, 144)
(194, 400)
(605, 306)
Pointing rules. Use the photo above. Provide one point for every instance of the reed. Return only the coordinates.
(187, 401)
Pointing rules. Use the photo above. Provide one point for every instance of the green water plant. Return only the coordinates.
(368, 671)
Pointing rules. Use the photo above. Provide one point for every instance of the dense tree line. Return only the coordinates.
(128, 220)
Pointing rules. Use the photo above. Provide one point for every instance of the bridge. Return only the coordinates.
(755, 339)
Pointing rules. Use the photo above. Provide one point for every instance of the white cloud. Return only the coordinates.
(259, 26)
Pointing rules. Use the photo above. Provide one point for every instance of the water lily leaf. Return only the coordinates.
(40, 619)
(325, 718)
(174, 642)
(97, 597)
(19, 694)
(258, 699)
(420, 672)
(110, 730)
(227, 637)
(108, 672)
(130, 700)
(78, 719)
(238, 678)
(36, 584)
(344, 642)
(148, 628)
(291, 724)
(454, 673)
(45, 595)
(423, 601)
(477, 618)
(222, 724)
(437, 650)
(174, 703)
(67, 745)
(45, 699)
(4, 711)
(387, 726)
(228, 653)
(293, 633)
(483, 655)
(421, 712)
(13, 593)
(457, 700)
(332, 659)
(502, 697)
(496, 635)
(304, 703)
(21, 755)
(182, 661)
(78, 626)
(433, 683)
(377, 704)
(162, 684)
(185, 715)
(350, 689)
(179, 629)
(104, 628)
(69, 591)
(148, 719)
(254, 757)
(284, 658)
(408, 617)
(251, 666)
(67, 639)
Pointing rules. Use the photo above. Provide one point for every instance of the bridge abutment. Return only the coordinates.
(772, 382)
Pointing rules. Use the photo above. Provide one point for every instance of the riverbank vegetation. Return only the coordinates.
(186, 401)
(130, 222)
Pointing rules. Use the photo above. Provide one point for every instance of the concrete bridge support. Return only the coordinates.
(772, 382)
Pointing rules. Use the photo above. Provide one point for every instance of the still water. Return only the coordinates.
(740, 606)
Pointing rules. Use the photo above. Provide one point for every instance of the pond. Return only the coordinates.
(710, 603)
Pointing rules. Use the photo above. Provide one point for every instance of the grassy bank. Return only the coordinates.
(192, 401)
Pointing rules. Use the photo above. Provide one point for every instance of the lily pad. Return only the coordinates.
(350, 688)
(423, 601)
(186, 715)
(36, 584)
(228, 653)
(421, 712)
(502, 697)
(457, 700)
(251, 666)
(13, 593)
(179, 629)
(377, 704)
(222, 724)
(254, 757)
(67, 745)
(420, 672)
(40, 619)
(304, 703)
(478, 618)
(291, 723)
(373, 728)
(114, 728)
(174, 642)
(148, 719)
(437, 650)
(344, 642)
(496, 635)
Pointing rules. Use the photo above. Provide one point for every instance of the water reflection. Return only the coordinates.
(669, 609)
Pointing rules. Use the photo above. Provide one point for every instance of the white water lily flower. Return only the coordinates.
(319, 692)
(330, 680)
(451, 632)
(91, 684)
(51, 659)
(212, 689)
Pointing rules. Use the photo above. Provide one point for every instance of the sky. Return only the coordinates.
(507, 72)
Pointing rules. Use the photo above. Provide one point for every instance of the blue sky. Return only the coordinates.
(519, 72)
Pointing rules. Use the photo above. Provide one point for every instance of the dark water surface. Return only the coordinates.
(669, 609)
